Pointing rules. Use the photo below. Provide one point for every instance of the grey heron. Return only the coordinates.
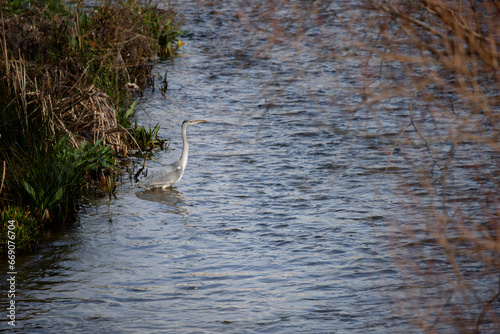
(170, 174)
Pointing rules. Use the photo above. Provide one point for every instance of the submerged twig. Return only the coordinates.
(142, 168)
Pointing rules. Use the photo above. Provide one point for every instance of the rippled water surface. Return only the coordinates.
(278, 225)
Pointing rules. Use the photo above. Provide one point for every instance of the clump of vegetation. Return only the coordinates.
(139, 135)
(25, 228)
(63, 76)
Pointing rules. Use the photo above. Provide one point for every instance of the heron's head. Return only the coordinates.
(191, 122)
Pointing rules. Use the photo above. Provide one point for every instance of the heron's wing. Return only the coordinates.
(162, 177)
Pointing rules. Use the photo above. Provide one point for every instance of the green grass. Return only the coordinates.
(25, 232)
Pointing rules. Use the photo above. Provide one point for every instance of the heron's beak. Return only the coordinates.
(196, 122)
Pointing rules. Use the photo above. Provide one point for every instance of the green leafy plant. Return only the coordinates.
(148, 138)
(55, 187)
(123, 116)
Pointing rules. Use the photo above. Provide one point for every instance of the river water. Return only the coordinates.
(279, 225)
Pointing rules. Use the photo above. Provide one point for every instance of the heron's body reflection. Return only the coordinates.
(170, 198)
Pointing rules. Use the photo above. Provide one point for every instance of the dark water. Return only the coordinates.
(279, 224)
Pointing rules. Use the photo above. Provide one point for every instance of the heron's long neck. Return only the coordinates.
(185, 147)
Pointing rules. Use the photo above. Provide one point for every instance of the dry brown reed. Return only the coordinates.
(83, 114)
(91, 117)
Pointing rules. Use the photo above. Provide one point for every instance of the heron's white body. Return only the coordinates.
(170, 174)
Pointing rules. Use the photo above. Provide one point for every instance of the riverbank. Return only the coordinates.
(69, 78)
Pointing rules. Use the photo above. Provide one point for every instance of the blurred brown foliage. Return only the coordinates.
(448, 52)
(438, 61)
